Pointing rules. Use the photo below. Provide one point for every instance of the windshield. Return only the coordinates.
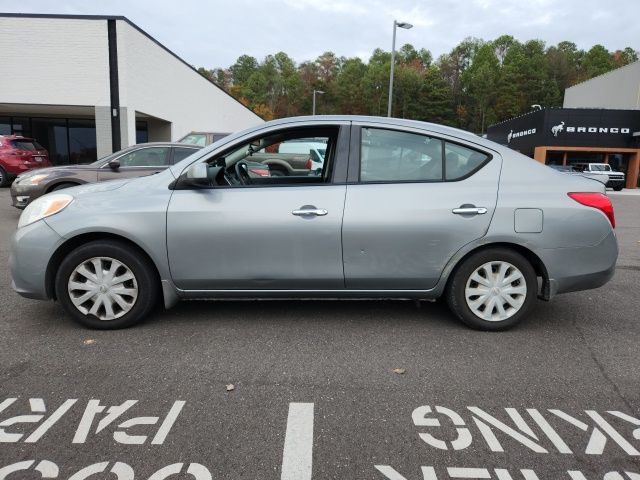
(103, 160)
(199, 139)
(596, 167)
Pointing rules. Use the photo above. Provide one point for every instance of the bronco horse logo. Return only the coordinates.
(557, 129)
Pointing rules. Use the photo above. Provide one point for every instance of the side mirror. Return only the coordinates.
(114, 164)
(203, 174)
(197, 174)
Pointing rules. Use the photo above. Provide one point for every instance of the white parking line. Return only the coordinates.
(298, 443)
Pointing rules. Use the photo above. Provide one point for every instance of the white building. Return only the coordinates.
(85, 86)
(617, 89)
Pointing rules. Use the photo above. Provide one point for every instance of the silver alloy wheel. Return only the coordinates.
(103, 287)
(495, 291)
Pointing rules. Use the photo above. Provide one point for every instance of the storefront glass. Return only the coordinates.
(68, 140)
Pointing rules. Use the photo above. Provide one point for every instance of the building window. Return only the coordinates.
(51, 133)
(142, 132)
(82, 141)
(5, 125)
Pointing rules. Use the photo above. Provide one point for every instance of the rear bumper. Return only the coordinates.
(581, 268)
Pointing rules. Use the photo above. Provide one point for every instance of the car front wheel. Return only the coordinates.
(4, 178)
(106, 285)
(493, 289)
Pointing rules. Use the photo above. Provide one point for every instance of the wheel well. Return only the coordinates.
(532, 258)
(71, 184)
(75, 242)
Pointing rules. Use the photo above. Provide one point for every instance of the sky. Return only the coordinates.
(214, 33)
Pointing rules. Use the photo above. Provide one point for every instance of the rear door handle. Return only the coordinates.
(469, 210)
(315, 212)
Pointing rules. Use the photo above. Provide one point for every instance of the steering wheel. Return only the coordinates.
(242, 172)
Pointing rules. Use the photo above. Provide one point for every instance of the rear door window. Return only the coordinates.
(394, 156)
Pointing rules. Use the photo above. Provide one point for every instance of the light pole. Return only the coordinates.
(313, 111)
(406, 26)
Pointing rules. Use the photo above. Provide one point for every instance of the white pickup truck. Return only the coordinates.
(616, 180)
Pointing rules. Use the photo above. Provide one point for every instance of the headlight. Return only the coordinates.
(32, 179)
(44, 207)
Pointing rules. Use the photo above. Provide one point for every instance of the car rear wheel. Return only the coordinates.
(277, 172)
(493, 289)
(4, 178)
(106, 285)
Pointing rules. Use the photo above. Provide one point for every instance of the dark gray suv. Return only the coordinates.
(136, 161)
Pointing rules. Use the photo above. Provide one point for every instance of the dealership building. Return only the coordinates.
(599, 122)
(86, 86)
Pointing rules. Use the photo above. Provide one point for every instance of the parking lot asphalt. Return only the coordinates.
(314, 390)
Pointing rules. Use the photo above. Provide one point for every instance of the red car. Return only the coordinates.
(18, 155)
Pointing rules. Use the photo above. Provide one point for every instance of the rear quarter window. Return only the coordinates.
(462, 161)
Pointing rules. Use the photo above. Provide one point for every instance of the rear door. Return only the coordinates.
(138, 163)
(412, 201)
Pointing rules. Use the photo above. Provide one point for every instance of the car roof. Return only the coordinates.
(16, 137)
(206, 133)
(391, 121)
(161, 144)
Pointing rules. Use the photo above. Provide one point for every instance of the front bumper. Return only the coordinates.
(616, 182)
(31, 249)
(21, 195)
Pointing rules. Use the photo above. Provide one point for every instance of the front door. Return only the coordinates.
(137, 163)
(416, 201)
(270, 233)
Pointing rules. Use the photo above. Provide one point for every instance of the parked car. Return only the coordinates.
(314, 149)
(202, 139)
(294, 158)
(403, 209)
(574, 171)
(18, 155)
(136, 161)
(616, 180)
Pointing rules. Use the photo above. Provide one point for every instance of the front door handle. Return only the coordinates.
(469, 210)
(310, 212)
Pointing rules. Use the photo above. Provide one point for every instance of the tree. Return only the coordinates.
(479, 81)
(597, 61)
(475, 84)
(244, 67)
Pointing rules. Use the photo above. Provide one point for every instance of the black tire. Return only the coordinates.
(617, 189)
(145, 276)
(4, 178)
(62, 186)
(278, 172)
(455, 293)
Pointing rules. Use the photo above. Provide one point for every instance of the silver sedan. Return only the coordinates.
(401, 209)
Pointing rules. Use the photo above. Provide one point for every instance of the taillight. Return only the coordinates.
(309, 164)
(596, 200)
(263, 172)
